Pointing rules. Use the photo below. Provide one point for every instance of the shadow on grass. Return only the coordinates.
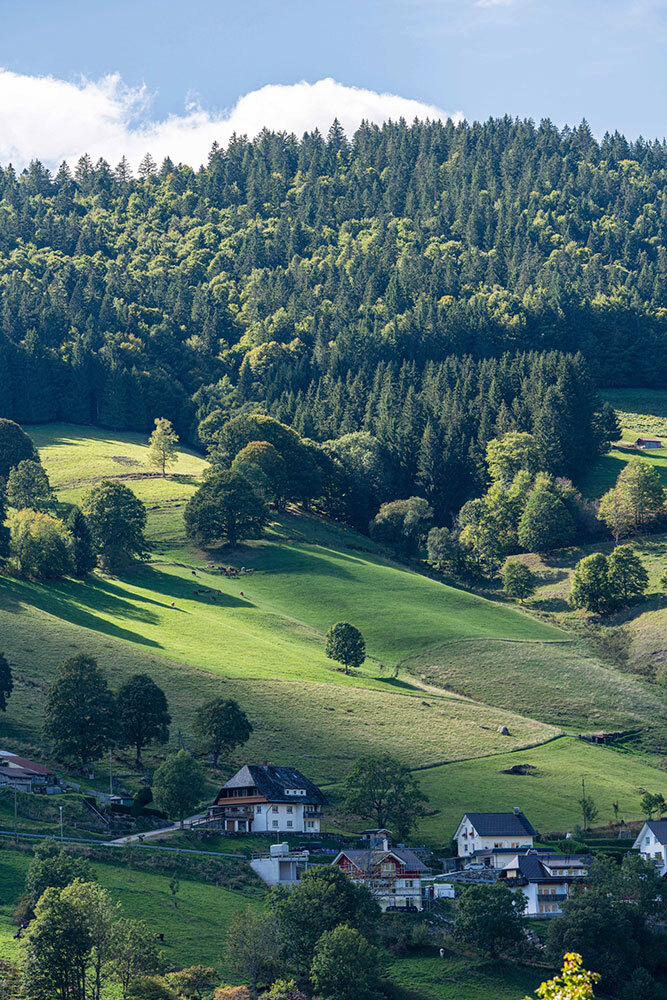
(58, 599)
(396, 683)
(176, 587)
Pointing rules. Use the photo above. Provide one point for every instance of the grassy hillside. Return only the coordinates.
(193, 932)
(265, 648)
(550, 796)
(642, 412)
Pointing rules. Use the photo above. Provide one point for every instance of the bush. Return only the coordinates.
(518, 581)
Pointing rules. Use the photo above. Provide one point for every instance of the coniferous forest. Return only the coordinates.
(433, 285)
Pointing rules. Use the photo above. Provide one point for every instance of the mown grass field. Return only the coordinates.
(193, 930)
(550, 797)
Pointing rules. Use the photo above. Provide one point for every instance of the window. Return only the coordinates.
(258, 809)
(386, 868)
(275, 823)
(289, 824)
(275, 809)
(309, 824)
(409, 883)
(290, 809)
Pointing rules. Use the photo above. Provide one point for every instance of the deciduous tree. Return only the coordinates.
(489, 918)
(252, 947)
(162, 445)
(626, 574)
(40, 545)
(179, 784)
(222, 726)
(590, 584)
(518, 580)
(225, 508)
(80, 715)
(143, 713)
(28, 486)
(117, 519)
(83, 551)
(383, 789)
(345, 966)
(345, 644)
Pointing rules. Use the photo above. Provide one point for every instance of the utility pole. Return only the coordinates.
(110, 771)
(61, 823)
(16, 836)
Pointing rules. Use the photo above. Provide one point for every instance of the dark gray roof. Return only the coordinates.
(536, 867)
(659, 828)
(272, 782)
(512, 824)
(364, 859)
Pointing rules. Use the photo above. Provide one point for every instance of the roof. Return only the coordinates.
(273, 782)
(508, 824)
(658, 828)
(364, 859)
(651, 440)
(6, 756)
(537, 868)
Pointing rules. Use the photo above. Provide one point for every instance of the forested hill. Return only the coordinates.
(331, 281)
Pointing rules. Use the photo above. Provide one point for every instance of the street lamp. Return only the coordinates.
(61, 823)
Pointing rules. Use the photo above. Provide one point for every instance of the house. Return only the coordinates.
(648, 443)
(25, 775)
(491, 838)
(261, 798)
(281, 866)
(652, 843)
(393, 874)
(546, 880)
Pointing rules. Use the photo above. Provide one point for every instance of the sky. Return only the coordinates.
(170, 77)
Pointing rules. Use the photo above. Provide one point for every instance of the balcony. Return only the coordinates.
(312, 813)
(552, 897)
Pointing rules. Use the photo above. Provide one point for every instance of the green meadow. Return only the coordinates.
(642, 413)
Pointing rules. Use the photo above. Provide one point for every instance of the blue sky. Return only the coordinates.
(599, 59)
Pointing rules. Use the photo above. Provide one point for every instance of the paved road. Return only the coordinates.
(150, 834)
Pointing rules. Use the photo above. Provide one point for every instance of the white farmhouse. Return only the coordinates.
(492, 837)
(652, 843)
(546, 880)
(261, 798)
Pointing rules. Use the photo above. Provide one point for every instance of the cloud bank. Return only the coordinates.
(54, 120)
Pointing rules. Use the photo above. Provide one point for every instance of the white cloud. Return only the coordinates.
(53, 120)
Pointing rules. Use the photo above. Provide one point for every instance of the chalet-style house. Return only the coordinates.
(648, 443)
(261, 798)
(492, 838)
(652, 843)
(546, 880)
(393, 874)
(25, 775)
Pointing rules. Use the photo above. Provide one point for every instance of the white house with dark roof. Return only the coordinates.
(546, 880)
(652, 843)
(261, 798)
(493, 837)
(392, 874)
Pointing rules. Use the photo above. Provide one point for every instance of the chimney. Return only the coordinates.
(516, 810)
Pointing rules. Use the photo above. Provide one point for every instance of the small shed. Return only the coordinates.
(648, 443)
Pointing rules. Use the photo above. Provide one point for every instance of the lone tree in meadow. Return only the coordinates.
(627, 575)
(80, 717)
(162, 445)
(590, 584)
(117, 519)
(143, 713)
(384, 790)
(518, 581)
(6, 682)
(15, 446)
(345, 644)
(225, 508)
(222, 726)
(179, 785)
(28, 486)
